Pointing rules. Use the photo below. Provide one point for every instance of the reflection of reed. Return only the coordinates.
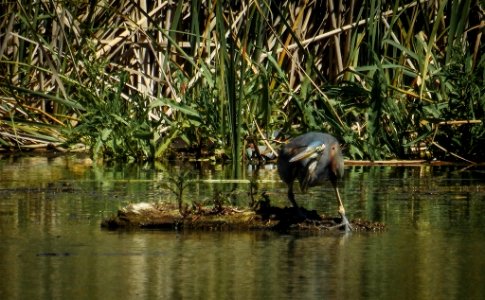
(248, 266)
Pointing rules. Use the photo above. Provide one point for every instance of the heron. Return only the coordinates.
(313, 158)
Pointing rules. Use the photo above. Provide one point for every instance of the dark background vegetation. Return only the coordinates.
(142, 80)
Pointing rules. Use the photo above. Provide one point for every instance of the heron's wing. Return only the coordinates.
(312, 151)
(309, 176)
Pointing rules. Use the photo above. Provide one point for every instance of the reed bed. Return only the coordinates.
(130, 79)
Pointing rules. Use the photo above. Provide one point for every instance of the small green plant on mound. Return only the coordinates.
(177, 184)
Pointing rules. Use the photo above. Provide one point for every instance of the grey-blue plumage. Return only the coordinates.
(312, 158)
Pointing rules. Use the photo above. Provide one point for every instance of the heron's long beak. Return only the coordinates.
(309, 152)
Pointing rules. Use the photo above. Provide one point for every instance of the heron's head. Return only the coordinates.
(336, 160)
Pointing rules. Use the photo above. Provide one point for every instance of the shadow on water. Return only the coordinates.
(52, 246)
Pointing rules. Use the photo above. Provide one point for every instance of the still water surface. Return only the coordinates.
(52, 246)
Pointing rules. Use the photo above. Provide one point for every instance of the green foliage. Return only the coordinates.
(177, 184)
(129, 79)
(113, 127)
(464, 88)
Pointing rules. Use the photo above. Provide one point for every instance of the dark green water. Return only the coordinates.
(52, 246)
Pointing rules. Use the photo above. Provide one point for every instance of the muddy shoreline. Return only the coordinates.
(264, 217)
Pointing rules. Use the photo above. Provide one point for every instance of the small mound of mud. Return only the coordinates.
(264, 217)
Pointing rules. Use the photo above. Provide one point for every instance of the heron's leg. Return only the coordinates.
(341, 210)
(298, 212)
(291, 195)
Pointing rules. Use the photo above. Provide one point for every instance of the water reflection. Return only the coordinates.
(52, 246)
